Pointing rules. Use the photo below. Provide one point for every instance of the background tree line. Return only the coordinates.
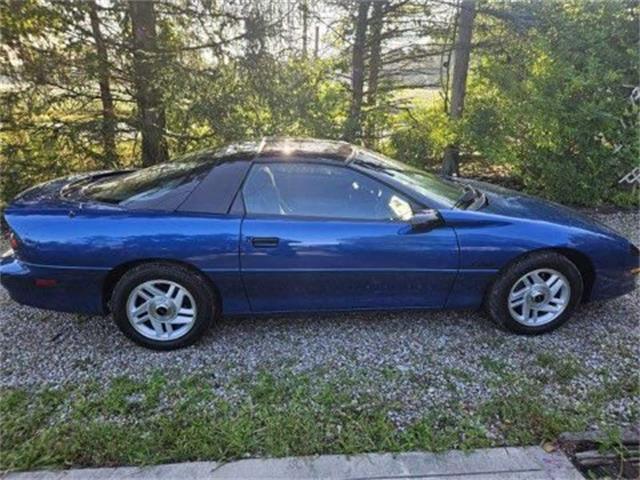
(539, 92)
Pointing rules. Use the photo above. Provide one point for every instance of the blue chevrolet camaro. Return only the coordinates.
(300, 225)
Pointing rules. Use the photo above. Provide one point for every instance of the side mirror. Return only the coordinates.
(425, 220)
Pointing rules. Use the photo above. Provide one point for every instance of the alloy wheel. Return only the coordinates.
(539, 297)
(161, 310)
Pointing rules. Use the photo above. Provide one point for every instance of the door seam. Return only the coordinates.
(240, 269)
(457, 275)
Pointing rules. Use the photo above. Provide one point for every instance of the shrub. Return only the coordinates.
(421, 135)
(555, 105)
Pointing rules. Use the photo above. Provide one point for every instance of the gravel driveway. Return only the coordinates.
(414, 361)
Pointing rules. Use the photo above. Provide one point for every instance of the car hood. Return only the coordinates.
(506, 202)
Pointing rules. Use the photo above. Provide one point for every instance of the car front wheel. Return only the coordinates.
(535, 294)
(163, 306)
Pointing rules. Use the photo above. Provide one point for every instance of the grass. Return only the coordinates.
(155, 421)
(564, 368)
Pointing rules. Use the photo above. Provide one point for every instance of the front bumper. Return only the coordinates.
(73, 290)
(614, 284)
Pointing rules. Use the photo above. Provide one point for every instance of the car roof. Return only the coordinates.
(305, 147)
(280, 147)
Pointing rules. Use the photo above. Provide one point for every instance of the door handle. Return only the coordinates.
(265, 242)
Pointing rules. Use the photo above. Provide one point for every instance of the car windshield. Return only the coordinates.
(147, 183)
(443, 191)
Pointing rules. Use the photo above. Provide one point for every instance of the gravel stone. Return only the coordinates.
(410, 361)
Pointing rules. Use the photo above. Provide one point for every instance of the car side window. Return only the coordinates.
(318, 190)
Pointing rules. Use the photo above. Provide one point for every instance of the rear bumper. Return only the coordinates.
(73, 290)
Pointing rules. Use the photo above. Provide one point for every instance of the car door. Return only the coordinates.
(320, 236)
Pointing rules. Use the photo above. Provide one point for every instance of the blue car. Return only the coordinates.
(296, 225)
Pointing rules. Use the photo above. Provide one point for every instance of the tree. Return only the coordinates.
(304, 8)
(400, 54)
(375, 63)
(546, 98)
(549, 97)
(450, 164)
(151, 114)
(109, 120)
(50, 113)
(353, 125)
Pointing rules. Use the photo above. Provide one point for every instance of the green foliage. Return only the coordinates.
(421, 134)
(564, 367)
(161, 419)
(247, 100)
(53, 148)
(49, 108)
(548, 94)
(551, 99)
(52, 114)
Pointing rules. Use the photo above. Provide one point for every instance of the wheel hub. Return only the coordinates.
(162, 309)
(538, 294)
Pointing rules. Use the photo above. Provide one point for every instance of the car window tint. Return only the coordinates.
(428, 184)
(315, 190)
(147, 183)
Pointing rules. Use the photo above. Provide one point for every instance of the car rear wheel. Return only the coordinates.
(163, 306)
(535, 294)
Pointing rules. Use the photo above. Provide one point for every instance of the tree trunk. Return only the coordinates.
(305, 22)
(109, 121)
(148, 96)
(353, 126)
(462, 53)
(450, 164)
(375, 46)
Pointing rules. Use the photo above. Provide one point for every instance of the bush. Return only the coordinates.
(555, 105)
(421, 135)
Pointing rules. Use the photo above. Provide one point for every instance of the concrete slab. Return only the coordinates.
(172, 471)
(529, 463)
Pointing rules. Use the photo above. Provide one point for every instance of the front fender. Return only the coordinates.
(490, 242)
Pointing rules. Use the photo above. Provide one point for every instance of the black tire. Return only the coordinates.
(496, 301)
(205, 299)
